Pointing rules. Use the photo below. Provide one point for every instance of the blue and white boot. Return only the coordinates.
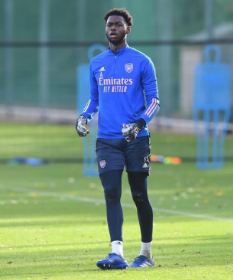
(142, 261)
(113, 261)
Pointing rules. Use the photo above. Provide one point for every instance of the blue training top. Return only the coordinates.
(123, 88)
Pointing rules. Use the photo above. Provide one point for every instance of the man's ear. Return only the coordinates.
(128, 29)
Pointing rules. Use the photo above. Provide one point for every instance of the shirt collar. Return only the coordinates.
(120, 51)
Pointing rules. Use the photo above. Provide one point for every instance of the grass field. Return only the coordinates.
(52, 219)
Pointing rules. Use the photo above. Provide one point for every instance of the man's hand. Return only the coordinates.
(80, 126)
(130, 131)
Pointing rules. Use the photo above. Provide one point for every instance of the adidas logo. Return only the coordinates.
(145, 165)
(102, 69)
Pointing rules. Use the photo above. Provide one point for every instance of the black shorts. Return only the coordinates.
(115, 154)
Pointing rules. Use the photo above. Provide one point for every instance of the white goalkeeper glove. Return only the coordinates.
(80, 126)
(130, 131)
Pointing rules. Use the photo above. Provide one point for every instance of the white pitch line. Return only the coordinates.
(101, 201)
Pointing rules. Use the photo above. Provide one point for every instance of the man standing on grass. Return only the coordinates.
(123, 89)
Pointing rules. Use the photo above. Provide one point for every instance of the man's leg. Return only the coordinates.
(111, 181)
(110, 158)
(138, 185)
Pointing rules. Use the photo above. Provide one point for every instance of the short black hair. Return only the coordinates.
(120, 12)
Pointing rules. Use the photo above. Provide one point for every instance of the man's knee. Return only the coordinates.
(111, 181)
(138, 185)
(138, 197)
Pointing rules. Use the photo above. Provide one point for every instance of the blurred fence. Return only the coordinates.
(34, 88)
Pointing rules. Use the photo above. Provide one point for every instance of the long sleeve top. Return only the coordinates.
(123, 89)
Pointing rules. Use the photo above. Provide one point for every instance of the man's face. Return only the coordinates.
(116, 29)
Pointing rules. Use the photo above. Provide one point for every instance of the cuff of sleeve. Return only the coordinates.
(141, 123)
(85, 116)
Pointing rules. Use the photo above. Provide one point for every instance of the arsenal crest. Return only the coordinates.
(102, 163)
(129, 67)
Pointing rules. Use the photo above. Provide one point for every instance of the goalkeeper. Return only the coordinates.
(123, 90)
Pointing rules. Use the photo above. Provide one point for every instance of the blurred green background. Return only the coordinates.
(42, 42)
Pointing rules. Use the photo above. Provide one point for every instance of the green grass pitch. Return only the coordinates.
(53, 224)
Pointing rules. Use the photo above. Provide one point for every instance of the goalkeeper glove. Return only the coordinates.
(80, 126)
(130, 131)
